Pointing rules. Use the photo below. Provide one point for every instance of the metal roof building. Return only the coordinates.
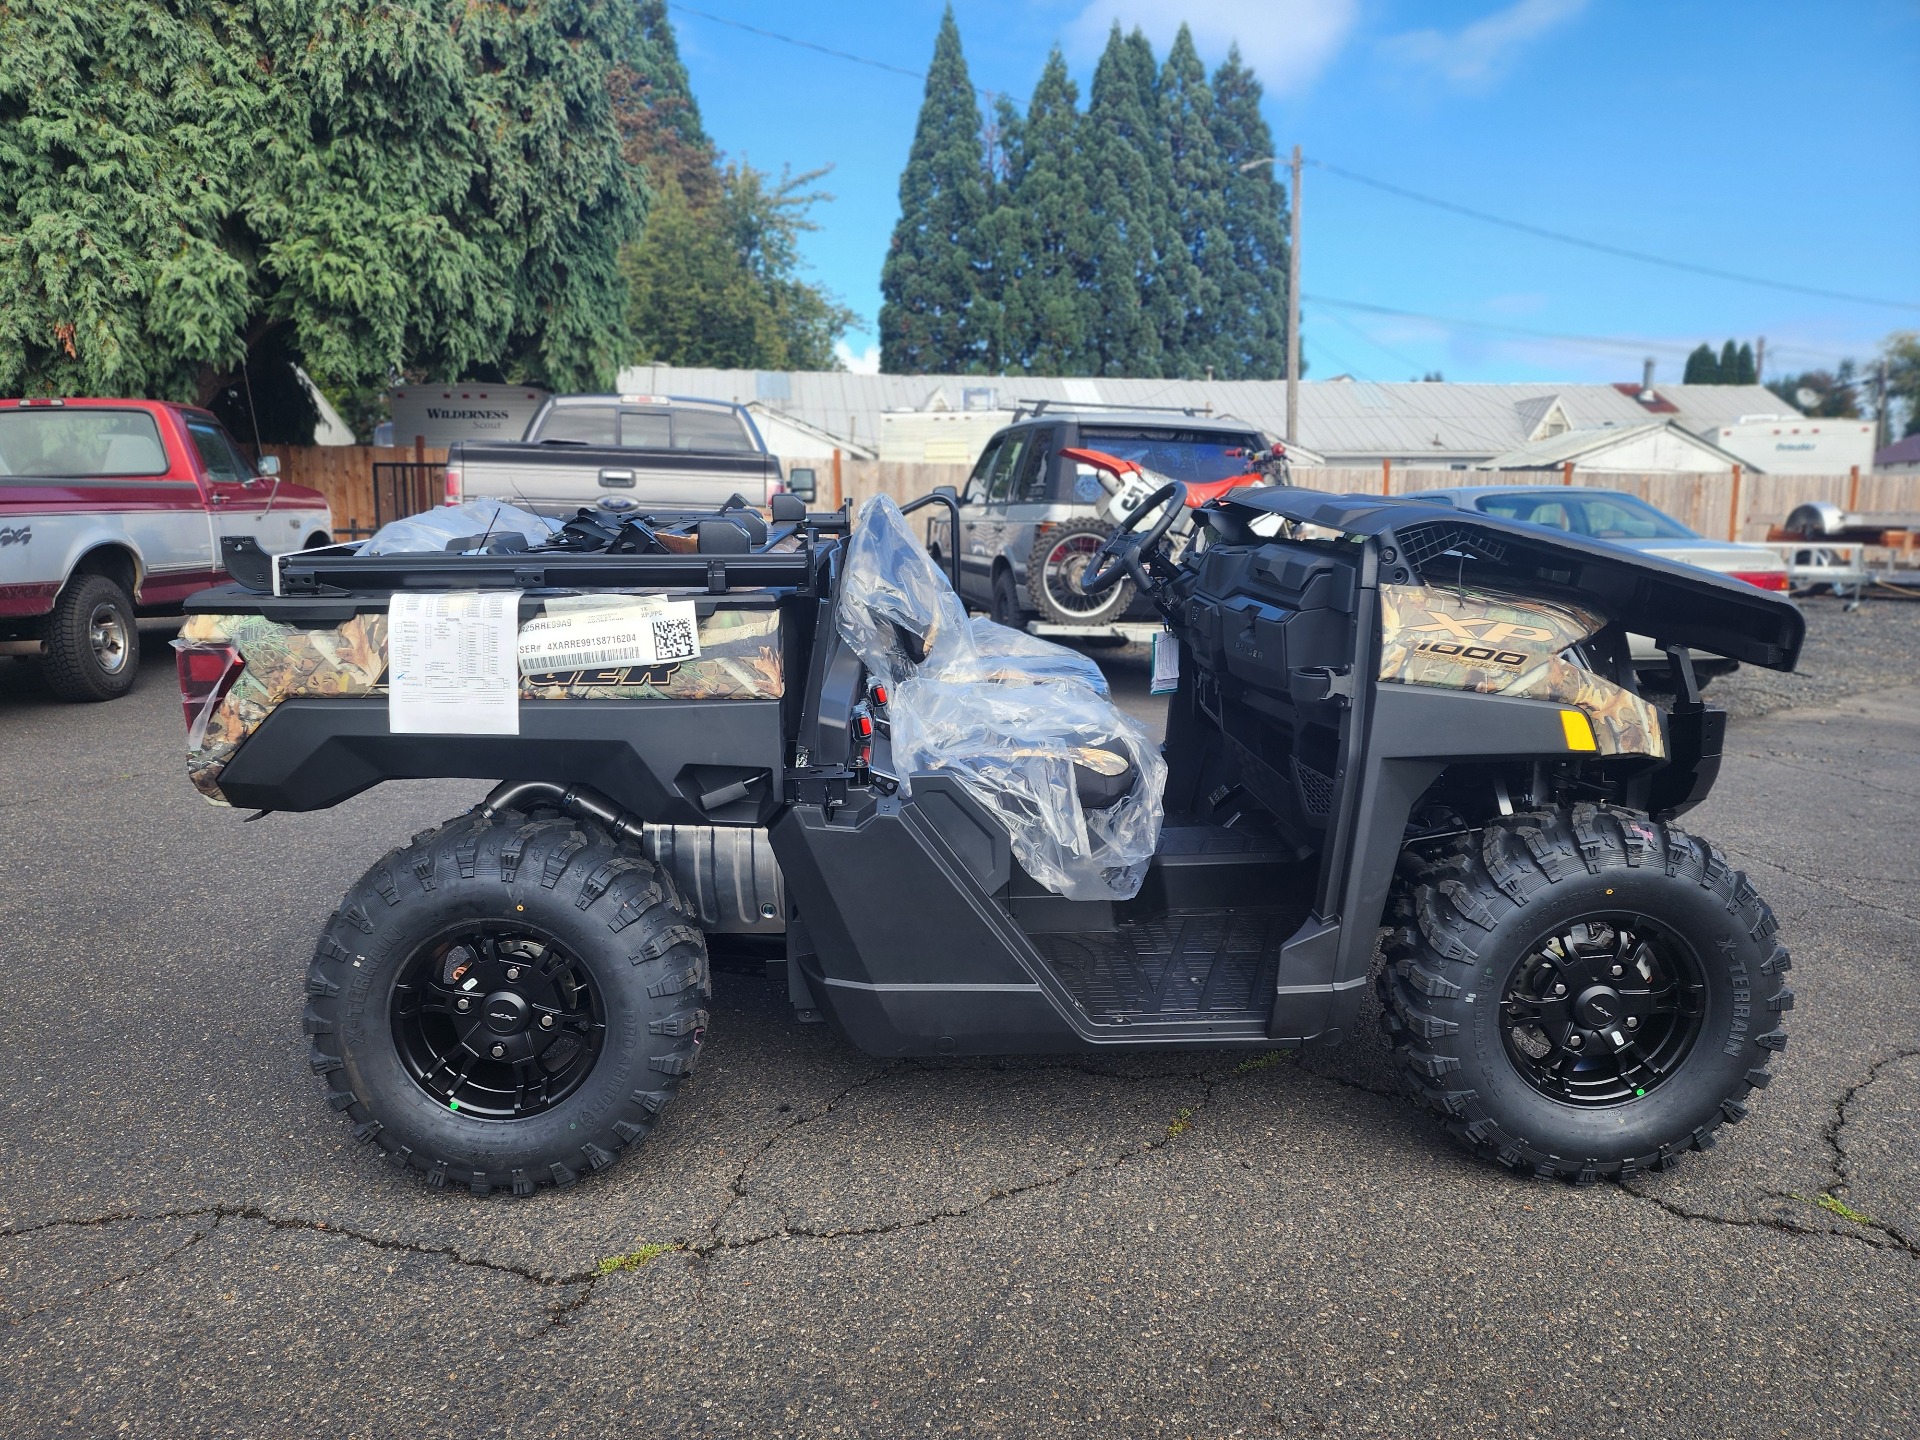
(1349, 422)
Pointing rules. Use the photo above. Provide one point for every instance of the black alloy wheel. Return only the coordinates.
(1603, 1010)
(497, 1021)
(1585, 991)
(509, 1001)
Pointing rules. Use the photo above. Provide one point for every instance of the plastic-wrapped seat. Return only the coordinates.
(1026, 726)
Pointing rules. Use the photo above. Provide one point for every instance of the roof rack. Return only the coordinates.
(1040, 407)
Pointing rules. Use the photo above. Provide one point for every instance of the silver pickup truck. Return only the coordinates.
(624, 454)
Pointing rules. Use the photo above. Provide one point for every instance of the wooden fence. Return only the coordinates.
(1737, 505)
(1740, 505)
(344, 474)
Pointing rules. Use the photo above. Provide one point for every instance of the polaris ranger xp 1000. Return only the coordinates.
(1405, 747)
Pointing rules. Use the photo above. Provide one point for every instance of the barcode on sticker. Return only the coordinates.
(591, 632)
(673, 640)
(584, 659)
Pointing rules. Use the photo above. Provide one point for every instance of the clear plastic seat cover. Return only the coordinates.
(1007, 714)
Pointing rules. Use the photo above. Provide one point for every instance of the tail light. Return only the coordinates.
(1761, 579)
(455, 492)
(207, 672)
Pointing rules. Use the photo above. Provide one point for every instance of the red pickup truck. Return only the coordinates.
(111, 509)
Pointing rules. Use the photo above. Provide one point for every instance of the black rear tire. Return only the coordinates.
(93, 646)
(633, 959)
(1476, 920)
(1006, 602)
(1061, 555)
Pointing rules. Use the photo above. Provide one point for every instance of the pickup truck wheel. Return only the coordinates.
(1061, 556)
(316, 540)
(1006, 602)
(93, 647)
(1583, 993)
(507, 1003)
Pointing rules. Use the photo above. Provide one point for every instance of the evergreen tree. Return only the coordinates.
(356, 184)
(1744, 372)
(934, 318)
(1251, 341)
(653, 105)
(1729, 364)
(717, 280)
(1198, 196)
(1166, 276)
(1044, 236)
(1703, 368)
(1119, 136)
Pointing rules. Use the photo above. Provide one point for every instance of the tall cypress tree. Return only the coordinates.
(1198, 196)
(1122, 339)
(1744, 371)
(1252, 337)
(1703, 368)
(1166, 274)
(934, 316)
(1044, 235)
(1729, 364)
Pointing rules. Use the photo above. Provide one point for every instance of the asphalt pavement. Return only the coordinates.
(815, 1243)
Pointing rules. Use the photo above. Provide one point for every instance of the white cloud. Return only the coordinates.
(859, 362)
(1479, 53)
(1287, 42)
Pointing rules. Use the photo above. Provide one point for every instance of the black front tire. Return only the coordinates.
(602, 902)
(93, 645)
(1471, 917)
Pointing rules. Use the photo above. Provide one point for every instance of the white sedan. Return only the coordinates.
(1625, 520)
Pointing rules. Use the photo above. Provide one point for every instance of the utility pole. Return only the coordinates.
(1760, 361)
(1882, 431)
(1293, 307)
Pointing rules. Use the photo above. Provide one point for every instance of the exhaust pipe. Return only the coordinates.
(727, 878)
(575, 800)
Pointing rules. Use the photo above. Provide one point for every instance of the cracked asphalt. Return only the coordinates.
(816, 1243)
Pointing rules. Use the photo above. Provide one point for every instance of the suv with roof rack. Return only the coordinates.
(1034, 512)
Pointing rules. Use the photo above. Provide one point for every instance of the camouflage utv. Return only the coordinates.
(1406, 750)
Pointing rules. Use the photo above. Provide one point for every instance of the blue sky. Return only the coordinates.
(1771, 139)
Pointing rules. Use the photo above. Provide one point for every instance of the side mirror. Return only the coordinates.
(268, 465)
(801, 481)
(946, 490)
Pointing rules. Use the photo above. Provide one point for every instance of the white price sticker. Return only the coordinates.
(595, 632)
(1166, 664)
(450, 664)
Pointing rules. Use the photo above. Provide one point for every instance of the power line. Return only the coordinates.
(1609, 342)
(1603, 342)
(1375, 342)
(1522, 226)
(1602, 247)
(847, 55)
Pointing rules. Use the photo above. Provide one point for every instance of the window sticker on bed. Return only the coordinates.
(450, 663)
(594, 631)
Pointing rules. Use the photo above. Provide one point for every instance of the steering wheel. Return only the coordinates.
(1122, 550)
